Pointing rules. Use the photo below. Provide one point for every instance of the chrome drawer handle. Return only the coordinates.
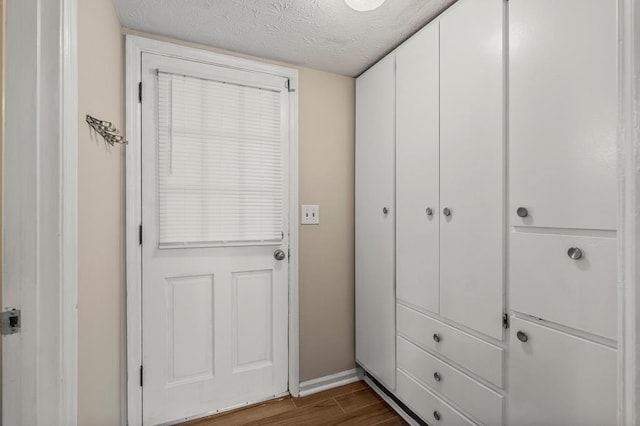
(429, 211)
(437, 377)
(385, 210)
(436, 415)
(522, 212)
(446, 211)
(575, 253)
(436, 337)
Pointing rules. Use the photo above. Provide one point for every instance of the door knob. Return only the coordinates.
(429, 211)
(522, 212)
(279, 254)
(575, 253)
(446, 211)
(522, 336)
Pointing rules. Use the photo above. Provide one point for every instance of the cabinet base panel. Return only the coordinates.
(388, 397)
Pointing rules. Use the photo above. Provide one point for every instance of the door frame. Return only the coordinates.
(40, 211)
(135, 47)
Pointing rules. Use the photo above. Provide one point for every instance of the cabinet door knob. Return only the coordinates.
(522, 212)
(436, 337)
(522, 336)
(575, 253)
(385, 210)
(437, 377)
(436, 415)
(429, 211)
(446, 211)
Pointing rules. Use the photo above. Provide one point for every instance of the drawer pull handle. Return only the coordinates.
(446, 211)
(437, 377)
(429, 211)
(522, 336)
(436, 338)
(385, 210)
(575, 253)
(436, 415)
(522, 212)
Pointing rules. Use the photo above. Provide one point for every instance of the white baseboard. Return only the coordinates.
(320, 384)
(391, 403)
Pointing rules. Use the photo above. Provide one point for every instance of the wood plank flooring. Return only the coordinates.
(353, 404)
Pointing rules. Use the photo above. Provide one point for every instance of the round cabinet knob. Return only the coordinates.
(436, 338)
(385, 210)
(575, 253)
(446, 211)
(522, 212)
(437, 377)
(429, 211)
(279, 254)
(436, 415)
(522, 336)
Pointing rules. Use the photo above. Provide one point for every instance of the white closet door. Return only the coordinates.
(375, 213)
(472, 165)
(417, 170)
(562, 113)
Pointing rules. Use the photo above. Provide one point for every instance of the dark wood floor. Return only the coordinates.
(354, 404)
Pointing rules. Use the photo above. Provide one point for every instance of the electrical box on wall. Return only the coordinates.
(310, 214)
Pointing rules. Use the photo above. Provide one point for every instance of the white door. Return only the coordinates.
(375, 213)
(472, 165)
(563, 114)
(214, 211)
(417, 170)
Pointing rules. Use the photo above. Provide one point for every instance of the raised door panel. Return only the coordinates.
(417, 170)
(375, 213)
(472, 165)
(559, 379)
(563, 113)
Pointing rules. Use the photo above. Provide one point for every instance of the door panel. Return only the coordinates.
(563, 85)
(375, 237)
(559, 379)
(215, 312)
(417, 170)
(472, 165)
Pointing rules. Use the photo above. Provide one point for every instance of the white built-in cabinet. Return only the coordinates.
(485, 200)
(375, 224)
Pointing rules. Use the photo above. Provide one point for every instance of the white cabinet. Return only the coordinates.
(417, 171)
(559, 379)
(472, 165)
(375, 213)
(563, 113)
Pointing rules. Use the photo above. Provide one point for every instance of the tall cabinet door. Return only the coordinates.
(563, 113)
(472, 165)
(375, 221)
(417, 170)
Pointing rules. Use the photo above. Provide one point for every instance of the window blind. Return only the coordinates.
(219, 162)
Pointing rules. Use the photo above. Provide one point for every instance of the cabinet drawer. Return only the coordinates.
(559, 379)
(426, 404)
(480, 357)
(548, 284)
(468, 394)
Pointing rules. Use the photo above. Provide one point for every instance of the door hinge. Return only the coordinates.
(505, 321)
(11, 321)
(141, 375)
(140, 92)
(287, 85)
(140, 234)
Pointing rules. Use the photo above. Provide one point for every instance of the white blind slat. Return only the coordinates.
(219, 162)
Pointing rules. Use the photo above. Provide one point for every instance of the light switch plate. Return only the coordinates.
(310, 214)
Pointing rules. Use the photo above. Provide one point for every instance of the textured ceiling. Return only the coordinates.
(320, 34)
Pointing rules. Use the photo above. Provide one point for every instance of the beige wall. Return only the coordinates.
(326, 145)
(100, 217)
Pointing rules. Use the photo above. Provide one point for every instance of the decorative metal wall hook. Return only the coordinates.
(106, 130)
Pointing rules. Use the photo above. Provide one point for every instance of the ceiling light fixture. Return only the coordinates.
(364, 5)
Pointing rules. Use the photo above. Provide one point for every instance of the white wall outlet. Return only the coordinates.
(310, 214)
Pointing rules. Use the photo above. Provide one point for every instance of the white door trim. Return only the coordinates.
(40, 211)
(135, 46)
(629, 206)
